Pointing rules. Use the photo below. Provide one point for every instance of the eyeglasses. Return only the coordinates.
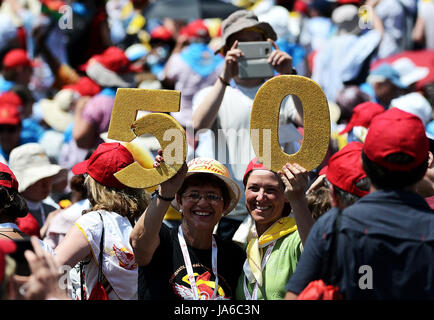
(196, 196)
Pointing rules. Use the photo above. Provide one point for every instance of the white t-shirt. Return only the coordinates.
(426, 11)
(119, 266)
(232, 141)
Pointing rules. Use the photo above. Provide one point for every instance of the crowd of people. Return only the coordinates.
(225, 226)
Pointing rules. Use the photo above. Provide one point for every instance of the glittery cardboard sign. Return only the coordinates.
(169, 133)
(264, 122)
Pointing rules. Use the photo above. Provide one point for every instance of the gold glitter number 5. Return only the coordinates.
(169, 133)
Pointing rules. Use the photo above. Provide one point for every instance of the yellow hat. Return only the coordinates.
(212, 166)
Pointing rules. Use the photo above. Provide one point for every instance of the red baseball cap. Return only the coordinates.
(17, 57)
(29, 225)
(195, 29)
(9, 115)
(105, 161)
(345, 169)
(10, 97)
(85, 87)
(6, 246)
(5, 181)
(363, 114)
(113, 59)
(396, 131)
(254, 164)
(161, 33)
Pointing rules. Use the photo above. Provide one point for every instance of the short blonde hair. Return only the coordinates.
(318, 202)
(127, 202)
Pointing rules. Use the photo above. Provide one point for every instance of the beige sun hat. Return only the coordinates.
(243, 19)
(212, 166)
(56, 112)
(30, 163)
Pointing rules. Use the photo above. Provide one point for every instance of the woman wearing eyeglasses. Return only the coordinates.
(189, 262)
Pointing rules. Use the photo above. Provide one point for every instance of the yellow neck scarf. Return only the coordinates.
(278, 229)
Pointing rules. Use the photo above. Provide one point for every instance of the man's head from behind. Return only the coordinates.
(395, 152)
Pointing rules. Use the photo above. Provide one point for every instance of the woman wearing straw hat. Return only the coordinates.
(278, 206)
(100, 238)
(189, 262)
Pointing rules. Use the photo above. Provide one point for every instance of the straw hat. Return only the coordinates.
(212, 166)
(56, 112)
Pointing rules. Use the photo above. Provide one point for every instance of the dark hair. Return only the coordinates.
(246, 178)
(287, 209)
(346, 198)
(24, 93)
(383, 178)
(202, 179)
(77, 184)
(13, 205)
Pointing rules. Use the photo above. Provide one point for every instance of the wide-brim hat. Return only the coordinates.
(30, 164)
(410, 73)
(56, 112)
(214, 167)
(240, 20)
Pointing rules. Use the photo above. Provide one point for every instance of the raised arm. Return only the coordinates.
(144, 237)
(295, 178)
(206, 113)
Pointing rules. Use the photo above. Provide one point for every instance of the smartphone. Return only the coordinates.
(254, 62)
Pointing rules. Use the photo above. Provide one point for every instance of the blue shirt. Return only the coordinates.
(391, 232)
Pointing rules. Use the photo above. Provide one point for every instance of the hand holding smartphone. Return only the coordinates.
(254, 62)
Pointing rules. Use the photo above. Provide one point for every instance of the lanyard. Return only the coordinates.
(254, 295)
(189, 267)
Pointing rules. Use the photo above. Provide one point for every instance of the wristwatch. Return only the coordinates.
(159, 196)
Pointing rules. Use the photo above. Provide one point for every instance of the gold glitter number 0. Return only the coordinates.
(265, 115)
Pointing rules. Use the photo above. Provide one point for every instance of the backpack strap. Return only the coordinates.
(330, 266)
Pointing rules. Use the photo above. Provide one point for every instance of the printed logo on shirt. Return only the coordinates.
(125, 257)
(205, 286)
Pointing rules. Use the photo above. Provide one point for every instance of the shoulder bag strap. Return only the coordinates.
(81, 263)
(101, 250)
